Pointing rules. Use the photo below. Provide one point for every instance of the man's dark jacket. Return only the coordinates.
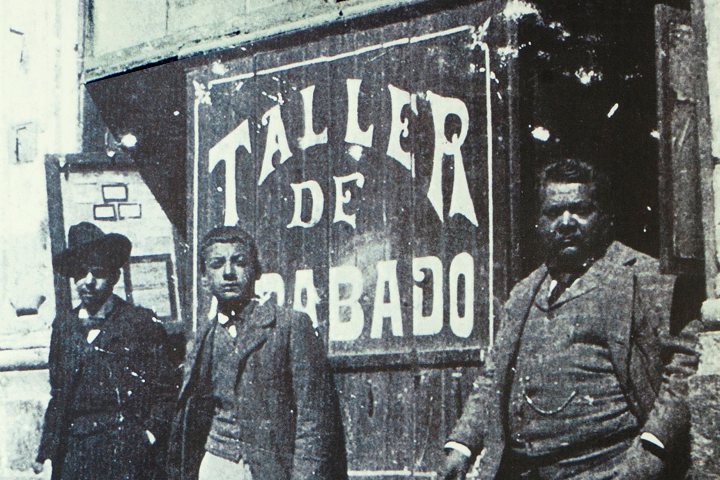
(291, 427)
(137, 345)
(634, 301)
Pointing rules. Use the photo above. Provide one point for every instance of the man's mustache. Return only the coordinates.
(559, 241)
(574, 236)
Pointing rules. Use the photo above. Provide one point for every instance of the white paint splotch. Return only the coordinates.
(588, 76)
(612, 110)
(712, 31)
(516, 9)
(219, 68)
(540, 133)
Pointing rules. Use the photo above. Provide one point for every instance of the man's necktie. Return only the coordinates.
(557, 288)
(90, 325)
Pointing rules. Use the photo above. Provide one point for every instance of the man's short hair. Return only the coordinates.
(230, 234)
(571, 170)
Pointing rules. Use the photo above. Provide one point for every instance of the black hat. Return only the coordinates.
(88, 244)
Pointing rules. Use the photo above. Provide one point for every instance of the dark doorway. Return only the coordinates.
(588, 89)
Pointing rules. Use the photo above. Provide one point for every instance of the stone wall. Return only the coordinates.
(23, 398)
(705, 385)
(704, 409)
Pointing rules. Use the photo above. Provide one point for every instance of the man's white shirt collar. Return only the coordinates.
(553, 286)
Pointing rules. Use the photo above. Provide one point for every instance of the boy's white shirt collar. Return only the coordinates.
(213, 312)
(223, 319)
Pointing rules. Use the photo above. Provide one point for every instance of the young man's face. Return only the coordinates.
(571, 224)
(94, 284)
(229, 271)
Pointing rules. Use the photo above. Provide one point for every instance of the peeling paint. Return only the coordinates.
(587, 77)
(593, 39)
(560, 29)
(477, 34)
(541, 133)
(508, 51)
(218, 68)
(612, 111)
(516, 9)
(279, 98)
(202, 93)
(655, 134)
(128, 140)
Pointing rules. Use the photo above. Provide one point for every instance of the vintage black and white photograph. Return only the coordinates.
(360, 240)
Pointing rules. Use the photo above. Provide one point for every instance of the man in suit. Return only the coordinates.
(258, 400)
(590, 370)
(110, 399)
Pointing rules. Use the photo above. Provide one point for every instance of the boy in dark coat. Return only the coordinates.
(108, 371)
(258, 400)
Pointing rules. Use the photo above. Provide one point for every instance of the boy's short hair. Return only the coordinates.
(230, 234)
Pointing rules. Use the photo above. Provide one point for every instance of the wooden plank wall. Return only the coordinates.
(400, 392)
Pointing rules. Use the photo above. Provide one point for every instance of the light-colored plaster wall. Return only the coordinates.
(39, 114)
(712, 31)
(704, 385)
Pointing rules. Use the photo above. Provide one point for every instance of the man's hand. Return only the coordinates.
(640, 464)
(455, 467)
(37, 467)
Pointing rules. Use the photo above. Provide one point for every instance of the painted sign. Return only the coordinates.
(363, 165)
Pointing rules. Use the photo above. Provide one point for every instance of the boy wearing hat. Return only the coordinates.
(109, 371)
(258, 400)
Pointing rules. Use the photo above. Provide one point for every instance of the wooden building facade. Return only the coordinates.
(384, 156)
